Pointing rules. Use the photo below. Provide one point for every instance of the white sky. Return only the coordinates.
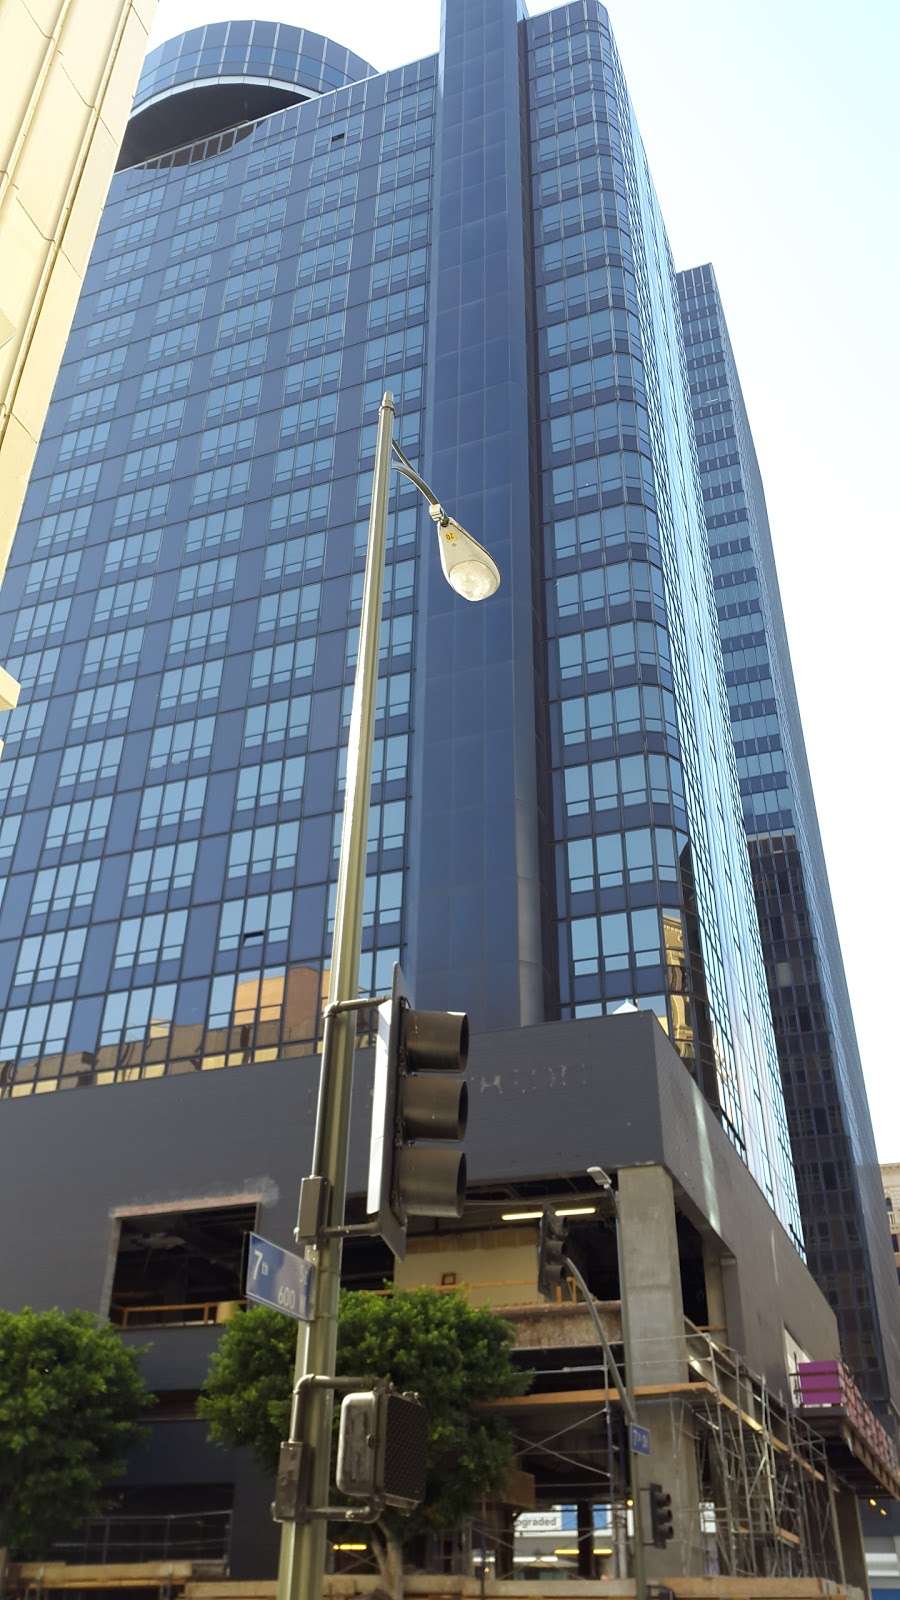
(773, 138)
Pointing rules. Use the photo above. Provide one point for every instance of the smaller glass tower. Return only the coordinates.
(841, 1200)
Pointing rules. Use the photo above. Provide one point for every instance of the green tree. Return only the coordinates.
(71, 1395)
(452, 1354)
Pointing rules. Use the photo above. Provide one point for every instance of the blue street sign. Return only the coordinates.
(277, 1278)
(640, 1439)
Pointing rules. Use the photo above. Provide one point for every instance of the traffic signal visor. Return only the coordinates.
(420, 1111)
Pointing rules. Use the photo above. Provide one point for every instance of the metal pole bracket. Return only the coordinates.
(291, 1503)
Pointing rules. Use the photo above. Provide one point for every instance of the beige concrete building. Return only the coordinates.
(68, 70)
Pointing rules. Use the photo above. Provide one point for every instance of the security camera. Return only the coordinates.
(602, 1179)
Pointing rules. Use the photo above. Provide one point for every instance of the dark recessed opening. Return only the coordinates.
(196, 112)
(693, 1274)
(180, 1267)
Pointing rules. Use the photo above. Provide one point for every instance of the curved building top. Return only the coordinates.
(216, 76)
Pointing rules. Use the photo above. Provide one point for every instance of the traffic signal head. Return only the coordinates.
(661, 1529)
(552, 1246)
(416, 1168)
(382, 1448)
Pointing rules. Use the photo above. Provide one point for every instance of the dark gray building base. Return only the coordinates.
(546, 1103)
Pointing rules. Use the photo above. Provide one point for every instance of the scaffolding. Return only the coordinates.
(765, 1489)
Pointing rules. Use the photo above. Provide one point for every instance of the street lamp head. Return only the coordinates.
(467, 566)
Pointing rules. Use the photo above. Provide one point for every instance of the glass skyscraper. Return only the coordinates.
(838, 1180)
(556, 825)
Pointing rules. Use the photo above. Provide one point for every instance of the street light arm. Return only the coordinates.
(404, 465)
(467, 566)
(624, 1392)
(626, 1397)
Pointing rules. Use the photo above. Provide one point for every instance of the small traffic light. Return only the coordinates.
(661, 1529)
(554, 1233)
(382, 1448)
(419, 1115)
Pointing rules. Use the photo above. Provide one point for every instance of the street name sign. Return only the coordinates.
(277, 1278)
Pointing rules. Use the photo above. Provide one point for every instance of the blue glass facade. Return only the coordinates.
(653, 888)
(838, 1179)
(556, 826)
(476, 935)
(217, 80)
(271, 51)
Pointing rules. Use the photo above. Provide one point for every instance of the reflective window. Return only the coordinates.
(138, 1015)
(270, 783)
(157, 937)
(164, 805)
(260, 919)
(60, 888)
(79, 822)
(276, 720)
(85, 763)
(264, 849)
(168, 866)
(50, 955)
(181, 741)
(110, 702)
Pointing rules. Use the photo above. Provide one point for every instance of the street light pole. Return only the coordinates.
(302, 1562)
(469, 570)
(604, 1182)
(627, 1400)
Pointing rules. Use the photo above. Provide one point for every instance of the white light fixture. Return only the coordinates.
(560, 1211)
(467, 566)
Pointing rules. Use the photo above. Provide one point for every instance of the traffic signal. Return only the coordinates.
(382, 1447)
(661, 1529)
(419, 1114)
(552, 1243)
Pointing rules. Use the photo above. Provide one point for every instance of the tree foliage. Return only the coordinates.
(451, 1354)
(71, 1395)
(246, 1397)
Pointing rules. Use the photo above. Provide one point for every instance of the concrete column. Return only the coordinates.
(653, 1314)
(585, 1521)
(497, 1535)
(836, 1527)
(849, 1530)
(254, 1536)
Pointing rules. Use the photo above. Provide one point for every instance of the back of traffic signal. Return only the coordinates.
(661, 1527)
(552, 1249)
(419, 1115)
